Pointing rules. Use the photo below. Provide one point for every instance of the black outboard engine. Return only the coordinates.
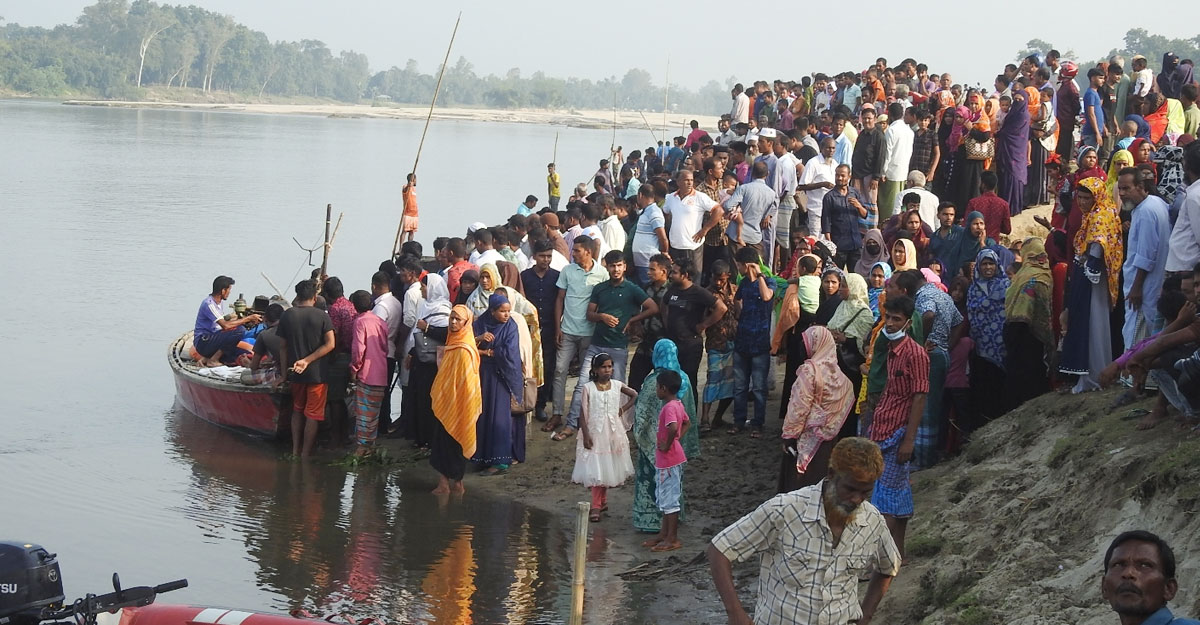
(29, 582)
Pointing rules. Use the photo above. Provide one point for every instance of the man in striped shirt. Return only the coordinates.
(814, 544)
(898, 414)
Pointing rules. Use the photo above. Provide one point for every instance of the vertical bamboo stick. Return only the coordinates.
(581, 540)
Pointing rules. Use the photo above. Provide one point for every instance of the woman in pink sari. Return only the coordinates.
(820, 401)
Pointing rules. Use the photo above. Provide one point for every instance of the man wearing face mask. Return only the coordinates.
(898, 414)
(1139, 579)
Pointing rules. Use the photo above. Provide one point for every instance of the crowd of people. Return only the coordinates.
(853, 230)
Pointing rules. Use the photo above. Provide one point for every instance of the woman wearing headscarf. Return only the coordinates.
(985, 313)
(949, 136)
(1166, 75)
(832, 281)
(489, 281)
(468, 282)
(433, 316)
(1093, 288)
(910, 226)
(1065, 221)
(1143, 128)
(874, 250)
(1012, 154)
(1028, 335)
(904, 255)
(502, 381)
(457, 401)
(1044, 130)
(1142, 152)
(820, 401)
(527, 334)
(646, 515)
(1120, 160)
(965, 183)
(851, 328)
(880, 274)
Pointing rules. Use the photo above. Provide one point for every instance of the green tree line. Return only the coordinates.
(116, 48)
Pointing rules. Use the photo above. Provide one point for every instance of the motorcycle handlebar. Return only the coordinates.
(169, 586)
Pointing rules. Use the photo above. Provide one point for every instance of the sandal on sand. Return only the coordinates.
(651, 542)
(564, 434)
(756, 433)
(665, 546)
(737, 429)
(496, 470)
(594, 515)
(552, 424)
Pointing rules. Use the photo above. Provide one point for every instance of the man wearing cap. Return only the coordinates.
(929, 201)
(1067, 110)
(866, 165)
(1139, 579)
(814, 543)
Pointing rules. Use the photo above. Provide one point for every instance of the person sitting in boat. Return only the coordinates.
(216, 337)
(264, 365)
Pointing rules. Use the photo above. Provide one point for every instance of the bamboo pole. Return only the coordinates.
(666, 95)
(650, 128)
(325, 247)
(436, 89)
(581, 540)
(555, 157)
(268, 279)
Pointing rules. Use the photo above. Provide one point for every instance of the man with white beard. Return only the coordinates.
(801, 580)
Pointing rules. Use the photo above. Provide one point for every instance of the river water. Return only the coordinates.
(114, 223)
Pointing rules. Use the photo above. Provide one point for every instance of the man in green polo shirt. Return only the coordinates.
(614, 305)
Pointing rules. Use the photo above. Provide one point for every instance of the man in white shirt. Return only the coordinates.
(929, 201)
(816, 181)
(485, 251)
(740, 113)
(1185, 237)
(1143, 76)
(610, 225)
(690, 216)
(897, 152)
(388, 308)
(784, 185)
(821, 97)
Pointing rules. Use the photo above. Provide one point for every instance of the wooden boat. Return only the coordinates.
(253, 409)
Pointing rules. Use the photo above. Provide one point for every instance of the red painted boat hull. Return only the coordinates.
(163, 614)
(251, 409)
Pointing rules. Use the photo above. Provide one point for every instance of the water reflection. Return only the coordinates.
(326, 540)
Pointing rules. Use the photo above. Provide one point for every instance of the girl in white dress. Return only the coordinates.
(602, 457)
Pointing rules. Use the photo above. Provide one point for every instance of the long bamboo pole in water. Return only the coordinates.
(436, 89)
(581, 539)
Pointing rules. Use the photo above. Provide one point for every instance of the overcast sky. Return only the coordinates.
(595, 40)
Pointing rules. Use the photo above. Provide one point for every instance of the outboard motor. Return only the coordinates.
(30, 582)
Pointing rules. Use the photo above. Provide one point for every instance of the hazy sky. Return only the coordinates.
(595, 40)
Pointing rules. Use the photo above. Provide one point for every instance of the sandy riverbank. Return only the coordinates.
(596, 119)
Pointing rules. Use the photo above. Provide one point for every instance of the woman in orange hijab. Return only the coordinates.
(457, 402)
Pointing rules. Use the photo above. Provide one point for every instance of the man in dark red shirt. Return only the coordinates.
(897, 415)
(995, 210)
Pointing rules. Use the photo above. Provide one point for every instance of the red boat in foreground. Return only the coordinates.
(251, 408)
(156, 614)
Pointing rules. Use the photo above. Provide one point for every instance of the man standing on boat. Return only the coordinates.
(307, 336)
(409, 193)
(216, 338)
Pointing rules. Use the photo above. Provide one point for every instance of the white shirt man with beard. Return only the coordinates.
(814, 543)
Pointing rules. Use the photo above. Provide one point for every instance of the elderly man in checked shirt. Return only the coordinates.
(814, 542)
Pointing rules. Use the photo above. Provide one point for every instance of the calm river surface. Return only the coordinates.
(114, 223)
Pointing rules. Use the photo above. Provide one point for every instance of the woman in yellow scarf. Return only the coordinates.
(1093, 288)
(457, 402)
(1028, 334)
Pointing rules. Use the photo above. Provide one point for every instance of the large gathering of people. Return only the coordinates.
(851, 233)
